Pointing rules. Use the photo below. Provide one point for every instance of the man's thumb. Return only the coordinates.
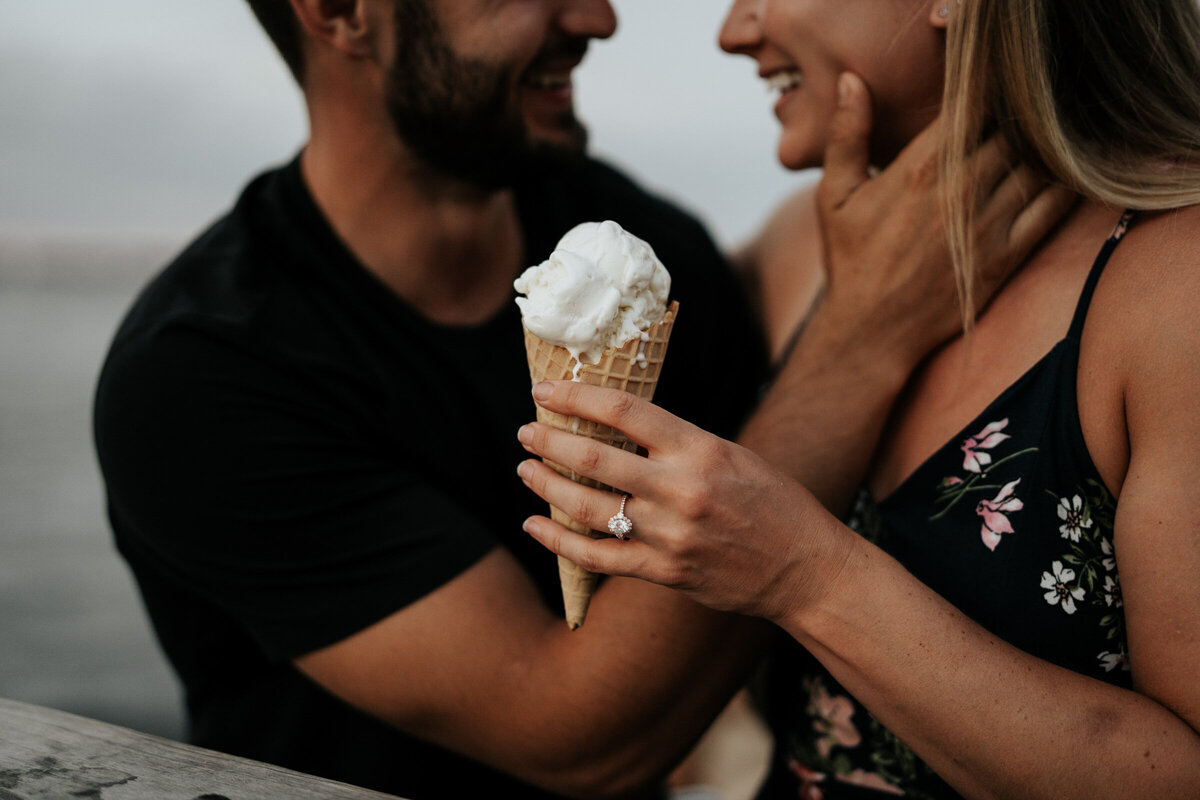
(847, 151)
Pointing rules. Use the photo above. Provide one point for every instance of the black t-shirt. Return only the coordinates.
(292, 453)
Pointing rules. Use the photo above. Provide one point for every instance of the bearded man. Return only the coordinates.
(307, 427)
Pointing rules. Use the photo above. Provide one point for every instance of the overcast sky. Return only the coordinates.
(145, 117)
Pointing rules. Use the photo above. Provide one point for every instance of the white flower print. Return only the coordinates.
(1112, 592)
(1111, 661)
(1059, 591)
(1074, 519)
(1108, 562)
(986, 439)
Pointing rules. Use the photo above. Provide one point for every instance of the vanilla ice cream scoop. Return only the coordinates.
(600, 288)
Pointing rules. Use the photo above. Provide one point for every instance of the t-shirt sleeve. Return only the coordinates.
(249, 482)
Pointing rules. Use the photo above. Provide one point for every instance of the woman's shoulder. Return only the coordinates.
(1167, 239)
(783, 263)
(1145, 313)
(1154, 274)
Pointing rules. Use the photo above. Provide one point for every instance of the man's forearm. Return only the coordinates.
(822, 417)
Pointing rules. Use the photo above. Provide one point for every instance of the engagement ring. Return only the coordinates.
(620, 525)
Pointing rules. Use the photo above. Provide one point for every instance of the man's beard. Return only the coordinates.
(457, 115)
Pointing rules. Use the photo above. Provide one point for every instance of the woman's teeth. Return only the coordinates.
(785, 80)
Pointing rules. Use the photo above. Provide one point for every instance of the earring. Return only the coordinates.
(944, 11)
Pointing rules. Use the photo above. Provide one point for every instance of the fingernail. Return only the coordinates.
(844, 89)
(524, 470)
(530, 525)
(542, 391)
(524, 435)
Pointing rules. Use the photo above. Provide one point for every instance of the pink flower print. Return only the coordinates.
(860, 777)
(809, 781)
(993, 512)
(986, 439)
(1059, 591)
(1074, 519)
(833, 723)
(1122, 226)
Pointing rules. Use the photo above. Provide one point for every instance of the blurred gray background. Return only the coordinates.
(125, 127)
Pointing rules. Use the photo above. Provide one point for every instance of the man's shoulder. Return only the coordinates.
(220, 276)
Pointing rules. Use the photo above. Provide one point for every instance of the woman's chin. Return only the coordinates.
(797, 158)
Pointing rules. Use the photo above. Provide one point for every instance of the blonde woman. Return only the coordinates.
(1014, 610)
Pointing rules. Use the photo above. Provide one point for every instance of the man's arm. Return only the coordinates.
(480, 666)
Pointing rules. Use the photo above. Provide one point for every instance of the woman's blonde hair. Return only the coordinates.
(1102, 95)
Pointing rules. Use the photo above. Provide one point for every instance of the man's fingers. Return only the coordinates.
(847, 151)
(1011, 195)
(1022, 210)
(989, 167)
(1038, 217)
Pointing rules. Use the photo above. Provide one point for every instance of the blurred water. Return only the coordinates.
(73, 630)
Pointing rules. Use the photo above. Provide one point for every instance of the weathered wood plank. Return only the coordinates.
(47, 754)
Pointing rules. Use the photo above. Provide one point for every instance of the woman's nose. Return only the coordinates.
(742, 31)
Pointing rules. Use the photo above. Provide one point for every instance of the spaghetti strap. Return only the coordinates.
(1085, 298)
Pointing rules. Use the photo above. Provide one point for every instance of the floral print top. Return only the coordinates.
(1011, 523)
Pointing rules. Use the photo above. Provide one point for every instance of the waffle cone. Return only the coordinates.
(618, 368)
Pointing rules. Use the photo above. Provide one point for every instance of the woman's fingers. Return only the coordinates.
(606, 556)
(586, 505)
(596, 460)
(593, 508)
(643, 422)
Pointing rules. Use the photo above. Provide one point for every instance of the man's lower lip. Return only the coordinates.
(557, 95)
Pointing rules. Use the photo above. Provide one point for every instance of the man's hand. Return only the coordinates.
(885, 245)
(890, 295)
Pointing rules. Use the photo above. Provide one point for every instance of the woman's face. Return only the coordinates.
(802, 46)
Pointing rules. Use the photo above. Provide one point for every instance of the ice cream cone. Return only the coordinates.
(633, 368)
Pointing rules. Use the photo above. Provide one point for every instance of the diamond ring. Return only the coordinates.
(620, 525)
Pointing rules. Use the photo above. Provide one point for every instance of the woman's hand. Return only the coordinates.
(710, 518)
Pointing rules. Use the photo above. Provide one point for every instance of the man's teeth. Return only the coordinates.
(550, 80)
(785, 81)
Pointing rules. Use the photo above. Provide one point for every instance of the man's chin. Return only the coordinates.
(507, 157)
(564, 138)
